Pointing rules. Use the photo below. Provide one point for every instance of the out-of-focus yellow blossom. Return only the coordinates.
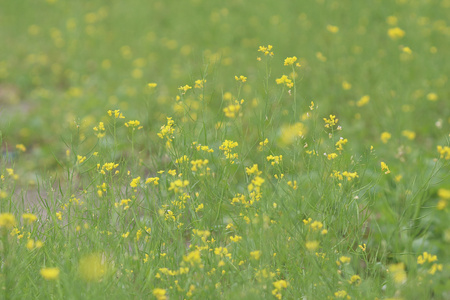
(410, 135)
(199, 84)
(385, 137)
(363, 101)
(432, 97)
(398, 272)
(184, 89)
(92, 267)
(332, 29)
(29, 218)
(444, 152)
(152, 85)
(396, 33)
(21, 147)
(7, 220)
(50, 273)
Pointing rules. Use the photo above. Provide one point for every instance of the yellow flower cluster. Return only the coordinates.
(241, 78)
(444, 152)
(117, 114)
(266, 50)
(284, 80)
(233, 109)
(289, 61)
(331, 121)
(227, 147)
(396, 33)
(100, 129)
(134, 124)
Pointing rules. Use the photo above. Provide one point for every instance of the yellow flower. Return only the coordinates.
(50, 273)
(332, 29)
(396, 33)
(92, 267)
(29, 218)
(134, 183)
(266, 50)
(432, 97)
(152, 85)
(7, 220)
(80, 159)
(398, 272)
(341, 294)
(289, 61)
(410, 135)
(241, 78)
(346, 85)
(363, 101)
(160, 294)
(384, 167)
(184, 89)
(256, 255)
(117, 114)
(21, 147)
(199, 83)
(385, 137)
(284, 80)
(444, 152)
(312, 245)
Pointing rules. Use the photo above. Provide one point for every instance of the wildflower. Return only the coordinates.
(236, 238)
(293, 184)
(256, 255)
(385, 137)
(160, 294)
(21, 147)
(177, 185)
(407, 50)
(58, 215)
(199, 207)
(398, 272)
(331, 121)
(29, 218)
(266, 50)
(193, 258)
(332, 29)
(426, 257)
(134, 124)
(350, 175)
(134, 183)
(80, 159)
(363, 101)
(284, 80)
(154, 180)
(289, 61)
(312, 245)
(385, 168)
(346, 86)
(332, 156)
(410, 135)
(340, 143)
(430, 97)
(275, 160)
(30, 244)
(434, 268)
(444, 152)
(226, 147)
(262, 144)
(241, 78)
(321, 57)
(344, 259)
(362, 247)
(92, 267)
(152, 85)
(117, 114)
(50, 273)
(396, 33)
(289, 133)
(184, 89)
(342, 294)
(7, 220)
(279, 286)
(232, 109)
(167, 130)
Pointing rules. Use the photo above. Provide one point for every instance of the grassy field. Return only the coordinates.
(224, 150)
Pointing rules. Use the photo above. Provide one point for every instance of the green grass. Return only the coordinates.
(296, 217)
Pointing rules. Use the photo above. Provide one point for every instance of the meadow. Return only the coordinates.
(224, 150)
